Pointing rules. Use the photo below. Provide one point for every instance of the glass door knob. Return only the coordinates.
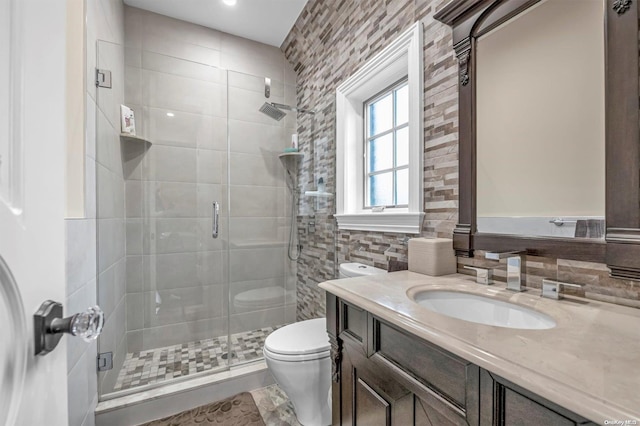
(49, 325)
(87, 324)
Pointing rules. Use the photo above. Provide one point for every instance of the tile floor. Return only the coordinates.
(274, 406)
(156, 365)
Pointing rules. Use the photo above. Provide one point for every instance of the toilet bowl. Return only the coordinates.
(350, 270)
(298, 357)
(299, 360)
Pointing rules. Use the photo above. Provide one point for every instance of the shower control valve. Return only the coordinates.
(49, 325)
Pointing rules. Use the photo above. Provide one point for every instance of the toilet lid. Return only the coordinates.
(356, 269)
(267, 296)
(303, 337)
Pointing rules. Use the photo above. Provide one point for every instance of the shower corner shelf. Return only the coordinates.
(134, 138)
(286, 156)
(290, 161)
(318, 194)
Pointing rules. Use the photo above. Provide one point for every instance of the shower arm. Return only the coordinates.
(293, 109)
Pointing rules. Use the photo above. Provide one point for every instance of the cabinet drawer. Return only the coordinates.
(441, 371)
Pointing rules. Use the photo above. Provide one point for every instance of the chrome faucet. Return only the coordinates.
(483, 275)
(552, 289)
(516, 263)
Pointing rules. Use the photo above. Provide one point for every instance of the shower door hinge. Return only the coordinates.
(103, 78)
(105, 361)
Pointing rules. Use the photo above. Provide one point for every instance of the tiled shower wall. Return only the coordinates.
(330, 41)
(176, 277)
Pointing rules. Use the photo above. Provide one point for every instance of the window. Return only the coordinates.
(387, 148)
(379, 133)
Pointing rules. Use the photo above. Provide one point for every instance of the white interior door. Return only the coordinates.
(33, 389)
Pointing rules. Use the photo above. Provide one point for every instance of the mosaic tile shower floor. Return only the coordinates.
(160, 364)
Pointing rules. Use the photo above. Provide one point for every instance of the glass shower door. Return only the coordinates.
(165, 285)
(262, 278)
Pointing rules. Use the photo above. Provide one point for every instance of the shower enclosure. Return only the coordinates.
(180, 299)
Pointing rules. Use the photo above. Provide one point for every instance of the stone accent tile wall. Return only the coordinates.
(316, 264)
(329, 42)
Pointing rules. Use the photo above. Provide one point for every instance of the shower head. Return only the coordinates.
(272, 111)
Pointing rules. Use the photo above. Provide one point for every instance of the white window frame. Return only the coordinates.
(369, 138)
(401, 58)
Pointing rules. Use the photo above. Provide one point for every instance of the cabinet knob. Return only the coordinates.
(50, 326)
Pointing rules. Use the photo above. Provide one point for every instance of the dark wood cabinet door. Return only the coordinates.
(373, 397)
(431, 412)
(376, 391)
(520, 410)
(369, 396)
(504, 404)
(371, 409)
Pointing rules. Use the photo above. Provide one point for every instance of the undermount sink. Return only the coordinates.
(483, 310)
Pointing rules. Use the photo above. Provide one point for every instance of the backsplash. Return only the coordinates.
(594, 277)
(330, 41)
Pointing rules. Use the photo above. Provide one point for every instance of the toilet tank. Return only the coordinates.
(351, 270)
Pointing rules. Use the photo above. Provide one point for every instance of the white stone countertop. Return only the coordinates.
(589, 363)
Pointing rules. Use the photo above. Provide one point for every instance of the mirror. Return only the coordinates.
(540, 84)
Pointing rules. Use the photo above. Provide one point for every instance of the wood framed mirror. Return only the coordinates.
(472, 20)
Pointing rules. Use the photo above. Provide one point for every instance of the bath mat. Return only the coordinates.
(239, 410)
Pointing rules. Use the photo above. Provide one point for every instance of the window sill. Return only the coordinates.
(401, 222)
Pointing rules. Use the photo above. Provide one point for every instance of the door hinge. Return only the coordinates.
(105, 361)
(103, 78)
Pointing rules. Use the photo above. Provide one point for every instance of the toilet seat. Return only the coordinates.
(301, 341)
(296, 357)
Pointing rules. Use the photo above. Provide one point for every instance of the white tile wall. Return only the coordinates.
(256, 170)
(177, 93)
(81, 293)
(185, 129)
(257, 201)
(256, 264)
(258, 138)
(104, 21)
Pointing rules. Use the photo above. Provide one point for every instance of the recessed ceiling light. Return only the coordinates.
(230, 2)
(170, 114)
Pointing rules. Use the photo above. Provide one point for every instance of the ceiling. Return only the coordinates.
(266, 21)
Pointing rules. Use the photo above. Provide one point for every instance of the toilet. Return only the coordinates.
(298, 357)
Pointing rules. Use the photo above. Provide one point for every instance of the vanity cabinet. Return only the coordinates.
(385, 376)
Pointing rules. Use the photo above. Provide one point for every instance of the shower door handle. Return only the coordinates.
(216, 219)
